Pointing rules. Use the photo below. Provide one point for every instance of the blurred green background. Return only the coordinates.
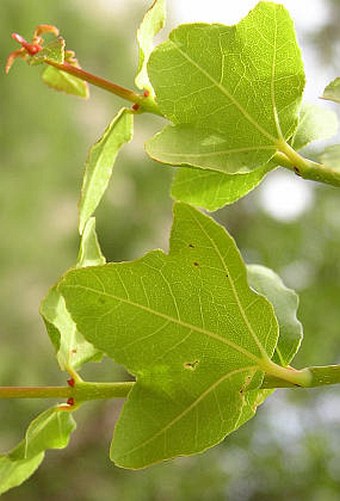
(290, 450)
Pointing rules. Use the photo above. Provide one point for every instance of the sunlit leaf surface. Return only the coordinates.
(232, 92)
(152, 23)
(100, 163)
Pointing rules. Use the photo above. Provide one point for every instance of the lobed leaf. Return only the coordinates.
(285, 302)
(100, 161)
(232, 92)
(189, 328)
(50, 430)
(152, 24)
(332, 91)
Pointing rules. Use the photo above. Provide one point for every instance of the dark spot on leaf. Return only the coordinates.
(227, 275)
(196, 263)
(191, 365)
(247, 382)
(74, 351)
(297, 172)
(101, 300)
(191, 246)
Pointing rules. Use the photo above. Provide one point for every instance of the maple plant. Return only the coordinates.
(205, 338)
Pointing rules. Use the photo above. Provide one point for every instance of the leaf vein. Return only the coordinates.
(192, 406)
(186, 325)
(226, 93)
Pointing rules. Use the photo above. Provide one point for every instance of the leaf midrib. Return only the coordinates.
(180, 322)
(217, 153)
(189, 408)
(227, 94)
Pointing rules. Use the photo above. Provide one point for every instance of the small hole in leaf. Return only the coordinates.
(191, 365)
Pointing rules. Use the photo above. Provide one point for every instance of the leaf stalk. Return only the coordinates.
(143, 102)
(293, 376)
(319, 376)
(307, 169)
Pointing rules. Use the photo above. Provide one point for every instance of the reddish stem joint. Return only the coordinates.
(136, 106)
(31, 48)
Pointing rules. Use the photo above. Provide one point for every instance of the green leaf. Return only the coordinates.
(90, 253)
(332, 91)
(72, 349)
(285, 302)
(315, 123)
(54, 51)
(213, 190)
(50, 430)
(59, 80)
(190, 329)
(100, 163)
(252, 400)
(331, 156)
(233, 93)
(152, 24)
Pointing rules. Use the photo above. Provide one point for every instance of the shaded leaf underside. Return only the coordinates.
(213, 190)
(72, 350)
(62, 81)
(285, 302)
(188, 327)
(50, 430)
(332, 91)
